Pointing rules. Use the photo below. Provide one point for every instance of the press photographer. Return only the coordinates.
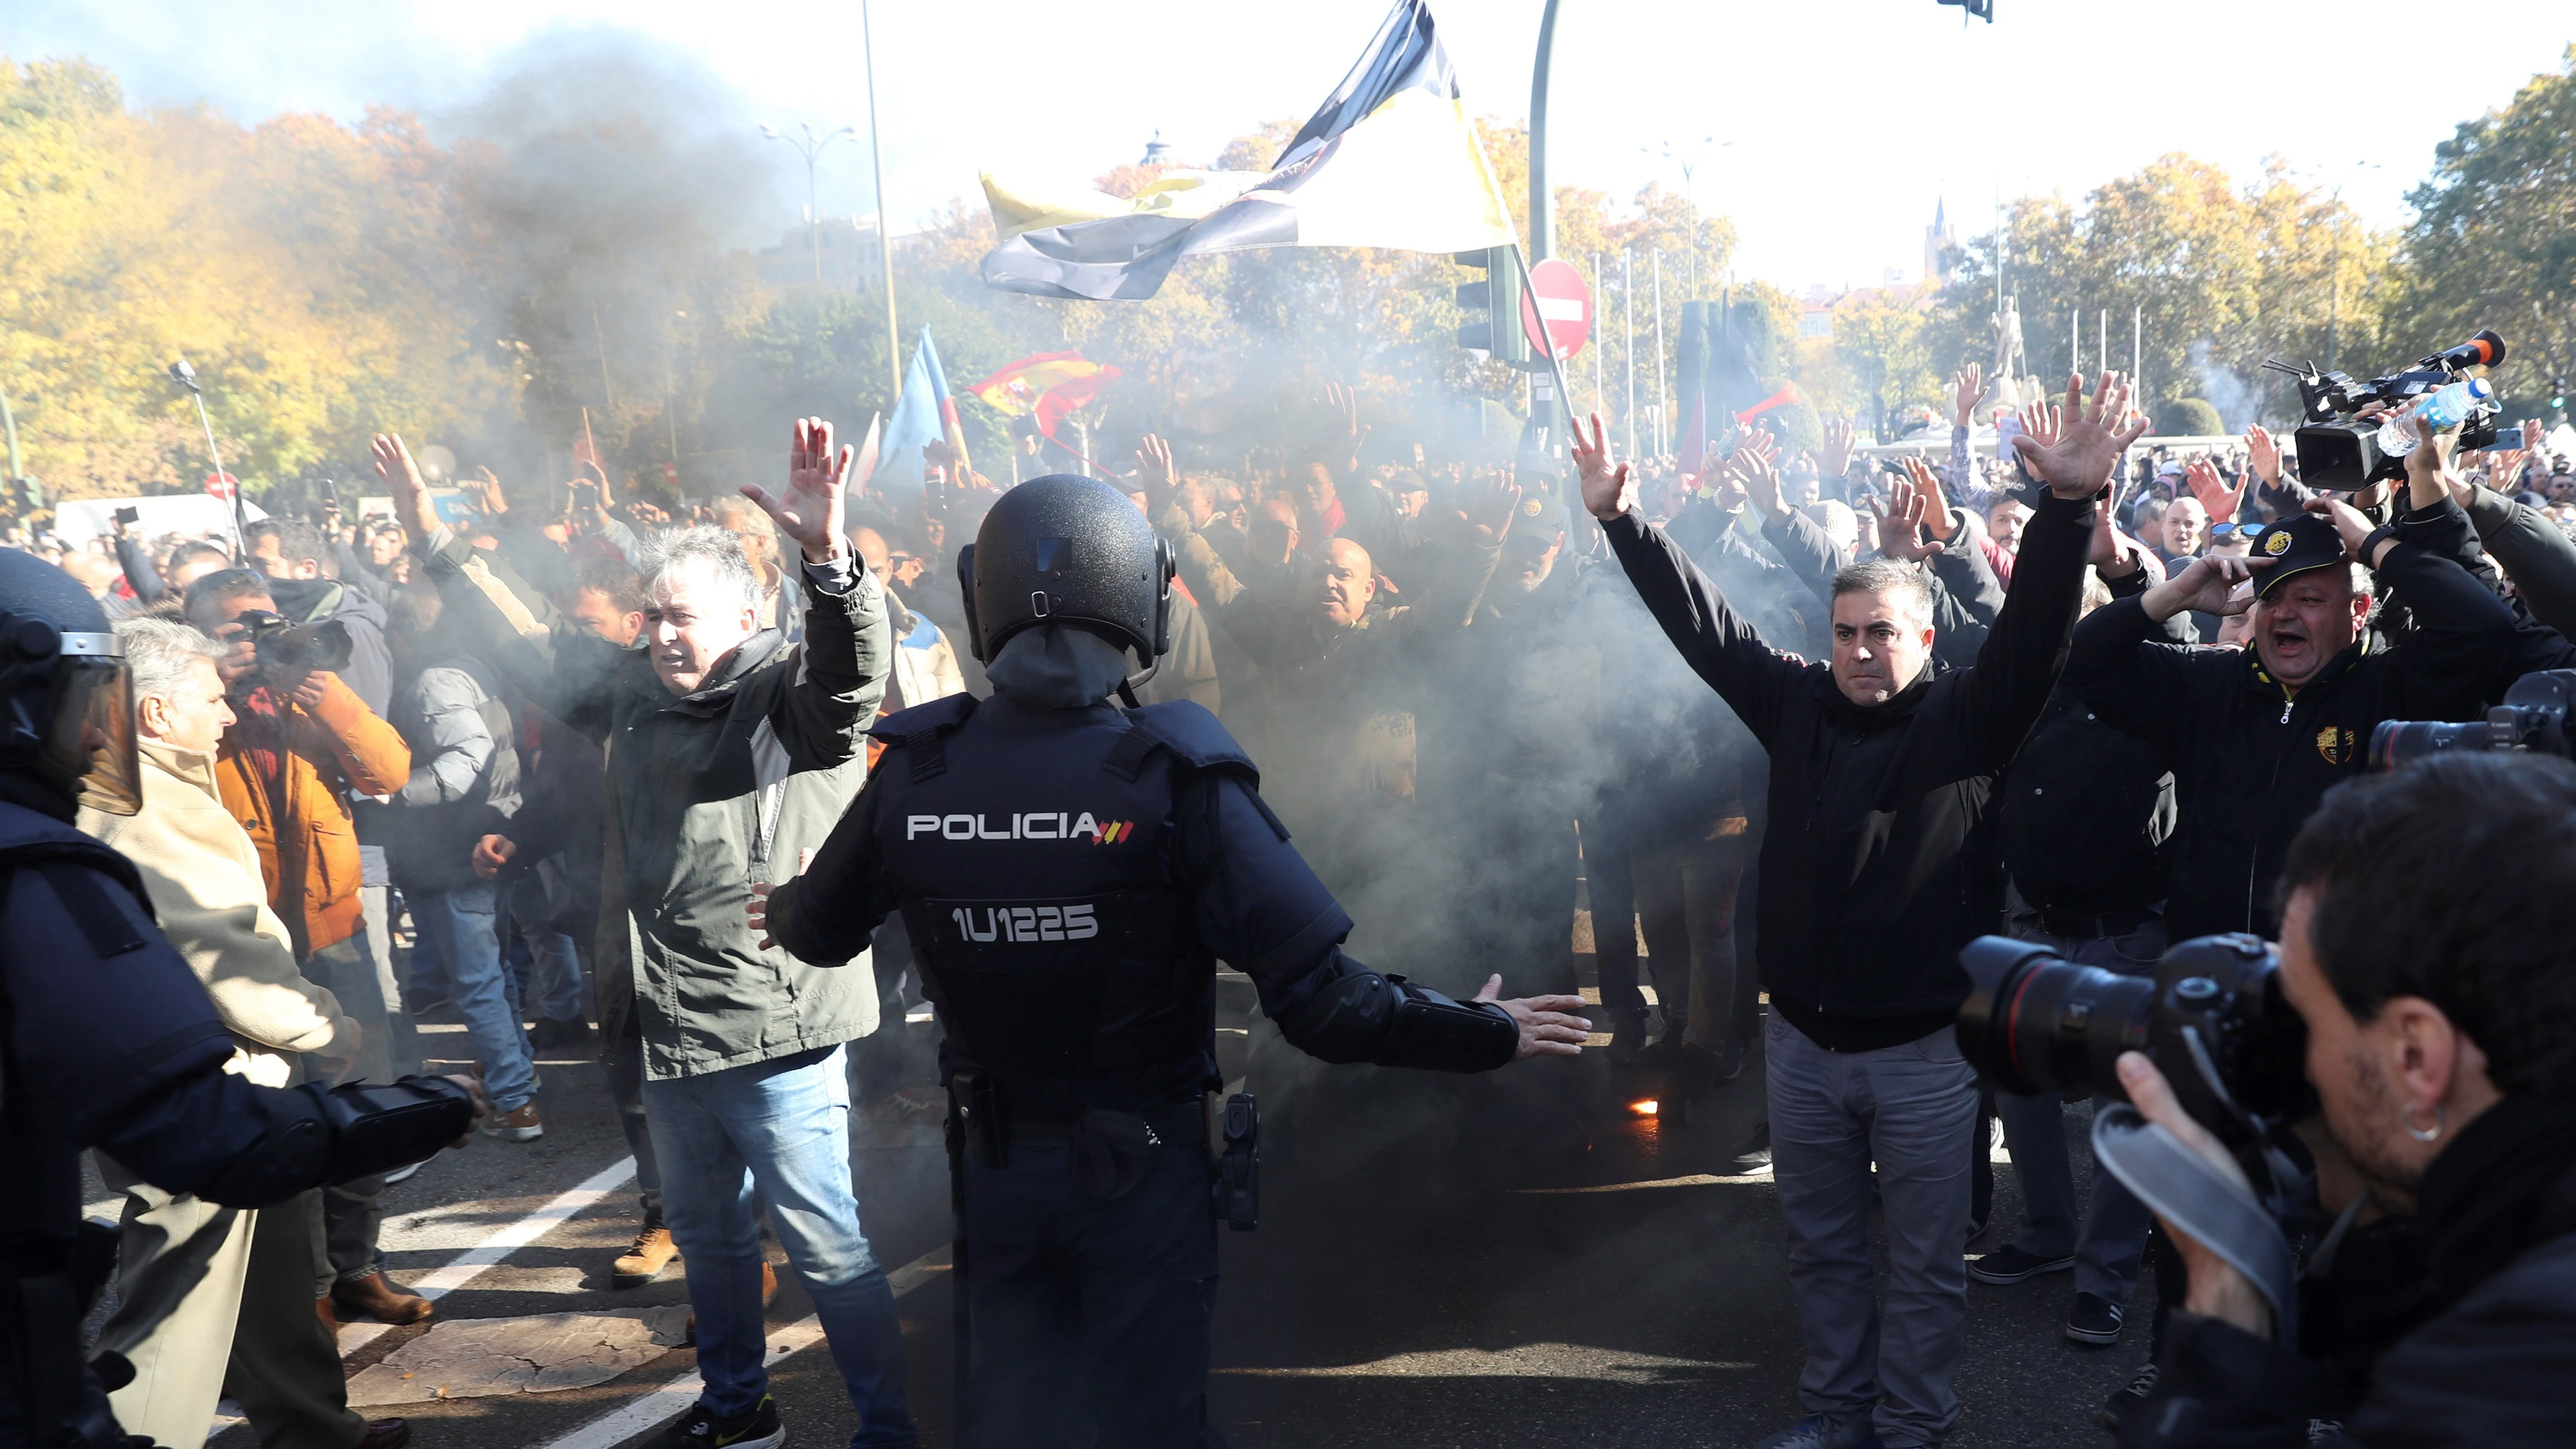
(301, 744)
(2425, 916)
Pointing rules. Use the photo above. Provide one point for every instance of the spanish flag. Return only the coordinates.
(1014, 389)
(1391, 159)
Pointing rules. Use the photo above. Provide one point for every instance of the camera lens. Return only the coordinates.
(2398, 742)
(2035, 1022)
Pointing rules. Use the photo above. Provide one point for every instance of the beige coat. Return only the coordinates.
(203, 876)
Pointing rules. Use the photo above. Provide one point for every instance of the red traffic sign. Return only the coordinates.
(222, 485)
(1557, 309)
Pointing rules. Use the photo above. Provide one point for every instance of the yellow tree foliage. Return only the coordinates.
(2201, 276)
(296, 265)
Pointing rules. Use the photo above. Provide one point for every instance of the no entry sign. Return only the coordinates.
(1557, 312)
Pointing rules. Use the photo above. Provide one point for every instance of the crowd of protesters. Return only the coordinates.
(560, 718)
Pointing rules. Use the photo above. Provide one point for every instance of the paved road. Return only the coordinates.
(1498, 1261)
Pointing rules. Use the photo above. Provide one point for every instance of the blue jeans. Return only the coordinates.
(461, 928)
(554, 963)
(2113, 1234)
(782, 1126)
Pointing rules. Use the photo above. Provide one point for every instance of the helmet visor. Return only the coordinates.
(92, 738)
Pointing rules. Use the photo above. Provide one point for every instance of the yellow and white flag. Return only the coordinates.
(1390, 160)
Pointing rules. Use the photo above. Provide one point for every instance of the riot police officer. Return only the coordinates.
(1069, 874)
(106, 1038)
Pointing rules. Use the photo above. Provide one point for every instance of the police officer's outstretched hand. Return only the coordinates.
(1548, 1026)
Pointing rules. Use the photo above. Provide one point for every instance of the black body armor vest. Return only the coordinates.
(1034, 860)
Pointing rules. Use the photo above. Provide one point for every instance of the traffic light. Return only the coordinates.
(2558, 394)
(1493, 308)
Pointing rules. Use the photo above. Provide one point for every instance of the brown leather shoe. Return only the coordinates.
(385, 1434)
(640, 1264)
(375, 1296)
(330, 1320)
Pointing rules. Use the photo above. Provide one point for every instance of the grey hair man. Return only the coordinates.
(1877, 868)
(210, 1295)
(732, 751)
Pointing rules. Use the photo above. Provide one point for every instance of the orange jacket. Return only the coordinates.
(339, 747)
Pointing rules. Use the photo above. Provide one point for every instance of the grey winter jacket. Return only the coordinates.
(464, 781)
(707, 795)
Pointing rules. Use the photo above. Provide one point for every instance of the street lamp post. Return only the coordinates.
(811, 148)
(885, 238)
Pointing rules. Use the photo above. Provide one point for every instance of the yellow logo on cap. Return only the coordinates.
(2278, 543)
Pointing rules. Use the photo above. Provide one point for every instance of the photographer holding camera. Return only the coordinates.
(301, 744)
(2425, 921)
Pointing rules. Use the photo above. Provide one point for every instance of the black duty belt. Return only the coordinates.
(2111, 923)
(1176, 1124)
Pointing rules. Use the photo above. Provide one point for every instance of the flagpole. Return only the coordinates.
(885, 238)
(1600, 393)
(1659, 353)
(1555, 363)
(1628, 327)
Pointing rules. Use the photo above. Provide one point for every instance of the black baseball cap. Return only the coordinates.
(2296, 545)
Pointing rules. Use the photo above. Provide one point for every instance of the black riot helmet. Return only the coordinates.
(1072, 550)
(66, 706)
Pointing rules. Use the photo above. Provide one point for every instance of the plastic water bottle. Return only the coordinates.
(2442, 409)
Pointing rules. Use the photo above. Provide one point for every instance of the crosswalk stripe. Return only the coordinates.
(462, 1269)
(670, 1400)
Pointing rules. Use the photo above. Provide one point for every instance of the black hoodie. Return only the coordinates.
(1882, 858)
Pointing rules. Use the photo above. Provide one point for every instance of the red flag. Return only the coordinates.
(1788, 393)
(1058, 401)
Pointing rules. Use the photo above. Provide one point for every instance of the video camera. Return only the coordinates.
(285, 646)
(2341, 452)
(2532, 717)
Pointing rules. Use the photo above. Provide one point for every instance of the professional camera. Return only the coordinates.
(285, 646)
(2532, 717)
(2341, 452)
(2212, 1019)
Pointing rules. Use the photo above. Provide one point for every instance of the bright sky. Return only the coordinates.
(1827, 128)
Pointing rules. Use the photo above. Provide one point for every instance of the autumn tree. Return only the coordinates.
(2494, 241)
(2201, 277)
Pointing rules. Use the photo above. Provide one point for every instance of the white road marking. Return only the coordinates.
(673, 1399)
(1696, 1179)
(456, 1272)
(1521, 1361)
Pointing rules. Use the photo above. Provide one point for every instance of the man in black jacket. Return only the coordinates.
(2256, 736)
(1879, 865)
(2424, 931)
